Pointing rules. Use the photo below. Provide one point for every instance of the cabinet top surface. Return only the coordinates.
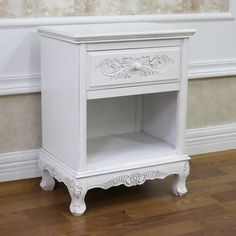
(114, 32)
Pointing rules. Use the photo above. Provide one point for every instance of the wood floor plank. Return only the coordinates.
(209, 208)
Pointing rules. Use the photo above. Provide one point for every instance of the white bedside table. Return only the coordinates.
(113, 106)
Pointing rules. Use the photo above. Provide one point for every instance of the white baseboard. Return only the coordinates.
(211, 139)
(19, 165)
(24, 164)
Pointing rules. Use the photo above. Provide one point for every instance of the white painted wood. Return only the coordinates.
(125, 139)
(81, 123)
(182, 101)
(163, 18)
(60, 100)
(133, 45)
(30, 83)
(90, 33)
(111, 116)
(212, 69)
(20, 51)
(135, 66)
(139, 113)
(19, 84)
(132, 90)
(24, 164)
(160, 115)
(115, 150)
(19, 165)
(78, 187)
(211, 139)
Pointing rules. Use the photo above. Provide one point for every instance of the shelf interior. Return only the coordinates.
(131, 129)
(122, 148)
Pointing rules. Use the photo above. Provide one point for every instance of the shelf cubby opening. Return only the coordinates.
(128, 129)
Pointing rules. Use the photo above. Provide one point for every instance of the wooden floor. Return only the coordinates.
(209, 208)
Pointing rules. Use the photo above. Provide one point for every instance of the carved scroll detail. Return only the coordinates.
(137, 178)
(127, 67)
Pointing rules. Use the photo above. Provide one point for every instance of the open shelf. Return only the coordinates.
(125, 148)
(130, 130)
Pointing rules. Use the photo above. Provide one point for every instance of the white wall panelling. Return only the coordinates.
(212, 69)
(170, 18)
(211, 139)
(212, 50)
(19, 165)
(19, 84)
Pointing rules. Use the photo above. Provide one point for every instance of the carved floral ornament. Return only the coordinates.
(128, 67)
(134, 179)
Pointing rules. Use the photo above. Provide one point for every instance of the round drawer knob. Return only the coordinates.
(136, 66)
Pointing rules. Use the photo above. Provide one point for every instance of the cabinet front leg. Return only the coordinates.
(47, 182)
(77, 193)
(179, 184)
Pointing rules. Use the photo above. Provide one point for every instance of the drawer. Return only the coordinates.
(119, 68)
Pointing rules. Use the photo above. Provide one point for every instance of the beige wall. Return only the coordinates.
(211, 101)
(20, 122)
(39, 8)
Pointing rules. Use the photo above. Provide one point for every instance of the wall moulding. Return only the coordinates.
(164, 18)
(211, 139)
(22, 84)
(19, 84)
(20, 55)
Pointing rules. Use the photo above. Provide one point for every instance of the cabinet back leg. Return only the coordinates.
(47, 182)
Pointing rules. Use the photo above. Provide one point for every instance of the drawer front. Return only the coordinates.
(118, 68)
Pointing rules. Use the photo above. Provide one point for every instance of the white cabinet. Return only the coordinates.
(113, 106)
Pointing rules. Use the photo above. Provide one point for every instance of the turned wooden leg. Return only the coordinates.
(77, 193)
(179, 184)
(47, 182)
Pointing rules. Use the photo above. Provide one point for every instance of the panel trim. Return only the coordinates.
(212, 69)
(192, 17)
(24, 164)
(21, 84)
(19, 165)
(211, 139)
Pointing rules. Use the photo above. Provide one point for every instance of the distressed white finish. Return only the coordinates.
(148, 143)
(111, 135)
(135, 66)
(78, 187)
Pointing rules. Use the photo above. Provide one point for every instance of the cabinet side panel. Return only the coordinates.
(60, 74)
(159, 116)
